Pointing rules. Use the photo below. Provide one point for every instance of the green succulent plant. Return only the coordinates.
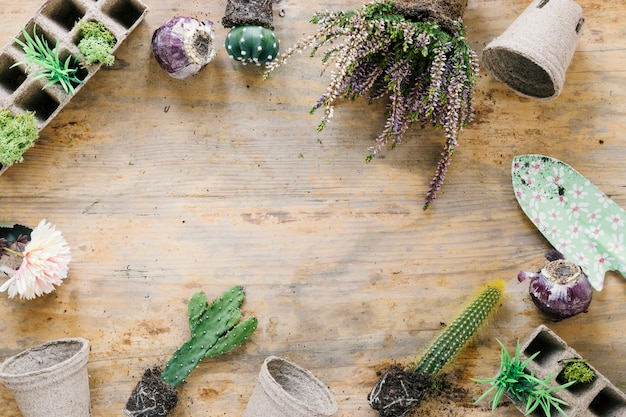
(520, 383)
(49, 63)
(215, 330)
(252, 44)
(96, 43)
(17, 134)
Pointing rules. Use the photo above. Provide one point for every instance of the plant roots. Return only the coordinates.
(151, 397)
(397, 392)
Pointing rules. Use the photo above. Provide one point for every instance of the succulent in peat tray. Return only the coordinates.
(215, 330)
(560, 289)
(184, 46)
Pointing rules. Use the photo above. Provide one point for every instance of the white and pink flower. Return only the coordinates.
(45, 264)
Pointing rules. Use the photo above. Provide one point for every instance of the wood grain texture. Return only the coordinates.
(165, 187)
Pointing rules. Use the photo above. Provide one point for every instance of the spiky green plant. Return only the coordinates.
(461, 331)
(49, 63)
(215, 330)
(96, 43)
(17, 133)
(399, 391)
(520, 383)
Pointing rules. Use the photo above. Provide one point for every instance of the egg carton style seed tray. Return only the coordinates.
(599, 398)
(56, 21)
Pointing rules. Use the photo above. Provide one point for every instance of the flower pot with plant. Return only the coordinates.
(50, 379)
(251, 38)
(400, 390)
(547, 377)
(414, 53)
(215, 330)
(60, 48)
(34, 260)
(284, 389)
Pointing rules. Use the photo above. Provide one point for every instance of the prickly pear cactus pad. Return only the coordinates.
(252, 44)
(215, 329)
(578, 219)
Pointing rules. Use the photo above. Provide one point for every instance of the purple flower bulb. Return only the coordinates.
(561, 289)
(183, 46)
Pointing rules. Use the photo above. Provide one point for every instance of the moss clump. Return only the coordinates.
(96, 43)
(578, 371)
(17, 134)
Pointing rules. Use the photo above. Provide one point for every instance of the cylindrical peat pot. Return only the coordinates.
(50, 380)
(285, 389)
(533, 53)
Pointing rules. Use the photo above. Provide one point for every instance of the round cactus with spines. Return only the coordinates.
(252, 44)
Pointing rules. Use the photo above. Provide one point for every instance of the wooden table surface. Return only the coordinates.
(165, 187)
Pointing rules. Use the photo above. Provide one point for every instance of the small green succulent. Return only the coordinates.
(524, 386)
(96, 43)
(39, 54)
(17, 134)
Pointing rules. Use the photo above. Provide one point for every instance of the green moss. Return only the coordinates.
(17, 134)
(96, 43)
(578, 371)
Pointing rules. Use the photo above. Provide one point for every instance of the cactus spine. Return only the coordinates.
(461, 331)
(215, 330)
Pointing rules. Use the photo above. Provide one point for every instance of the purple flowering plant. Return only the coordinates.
(427, 71)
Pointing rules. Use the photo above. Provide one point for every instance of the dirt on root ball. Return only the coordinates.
(151, 397)
(397, 392)
(443, 397)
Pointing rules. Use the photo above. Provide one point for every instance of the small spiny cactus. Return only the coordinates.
(215, 330)
(461, 331)
(252, 44)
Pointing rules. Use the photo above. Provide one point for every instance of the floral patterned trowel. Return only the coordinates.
(578, 219)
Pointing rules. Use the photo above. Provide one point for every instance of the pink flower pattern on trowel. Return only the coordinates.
(578, 219)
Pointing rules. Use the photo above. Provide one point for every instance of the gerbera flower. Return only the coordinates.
(44, 265)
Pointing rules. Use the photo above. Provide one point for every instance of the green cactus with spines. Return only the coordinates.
(215, 330)
(461, 331)
(252, 44)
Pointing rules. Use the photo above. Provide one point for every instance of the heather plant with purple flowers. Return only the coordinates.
(426, 70)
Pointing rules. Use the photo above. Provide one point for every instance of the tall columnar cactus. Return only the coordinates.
(460, 332)
(215, 329)
(400, 390)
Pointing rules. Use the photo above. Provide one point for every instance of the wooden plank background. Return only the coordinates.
(165, 187)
